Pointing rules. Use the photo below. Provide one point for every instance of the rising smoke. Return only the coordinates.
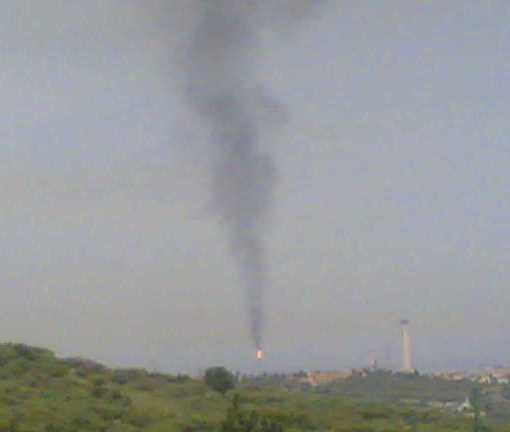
(223, 89)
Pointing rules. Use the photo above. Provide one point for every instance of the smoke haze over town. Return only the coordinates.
(387, 129)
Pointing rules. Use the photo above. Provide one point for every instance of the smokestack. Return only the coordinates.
(407, 365)
(372, 362)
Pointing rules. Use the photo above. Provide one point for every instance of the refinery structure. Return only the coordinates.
(497, 375)
(407, 362)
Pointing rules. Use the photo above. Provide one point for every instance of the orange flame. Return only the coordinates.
(259, 354)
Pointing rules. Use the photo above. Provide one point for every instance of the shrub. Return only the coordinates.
(219, 379)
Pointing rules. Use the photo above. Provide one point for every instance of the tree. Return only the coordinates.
(476, 403)
(219, 379)
(412, 420)
(506, 392)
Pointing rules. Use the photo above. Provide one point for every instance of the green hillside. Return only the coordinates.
(39, 392)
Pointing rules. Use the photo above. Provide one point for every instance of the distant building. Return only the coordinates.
(498, 375)
(451, 376)
(436, 404)
(465, 406)
(363, 372)
(320, 378)
(487, 379)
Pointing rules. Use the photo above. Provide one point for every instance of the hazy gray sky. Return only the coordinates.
(392, 196)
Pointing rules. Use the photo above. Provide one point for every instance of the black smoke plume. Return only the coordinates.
(223, 89)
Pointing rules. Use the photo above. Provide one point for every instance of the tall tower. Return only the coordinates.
(372, 360)
(407, 364)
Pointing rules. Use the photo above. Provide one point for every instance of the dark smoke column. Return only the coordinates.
(222, 89)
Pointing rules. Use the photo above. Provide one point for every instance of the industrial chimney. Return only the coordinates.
(407, 364)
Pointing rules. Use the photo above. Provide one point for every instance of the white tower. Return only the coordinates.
(407, 364)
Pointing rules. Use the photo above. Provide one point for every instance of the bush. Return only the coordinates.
(28, 352)
(506, 392)
(99, 392)
(84, 367)
(375, 413)
(123, 376)
(219, 379)
(238, 420)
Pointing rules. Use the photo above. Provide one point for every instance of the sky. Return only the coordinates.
(391, 196)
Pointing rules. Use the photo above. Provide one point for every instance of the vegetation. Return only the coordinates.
(384, 385)
(476, 402)
(41, 393)
(219, 379)
(238, 420)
